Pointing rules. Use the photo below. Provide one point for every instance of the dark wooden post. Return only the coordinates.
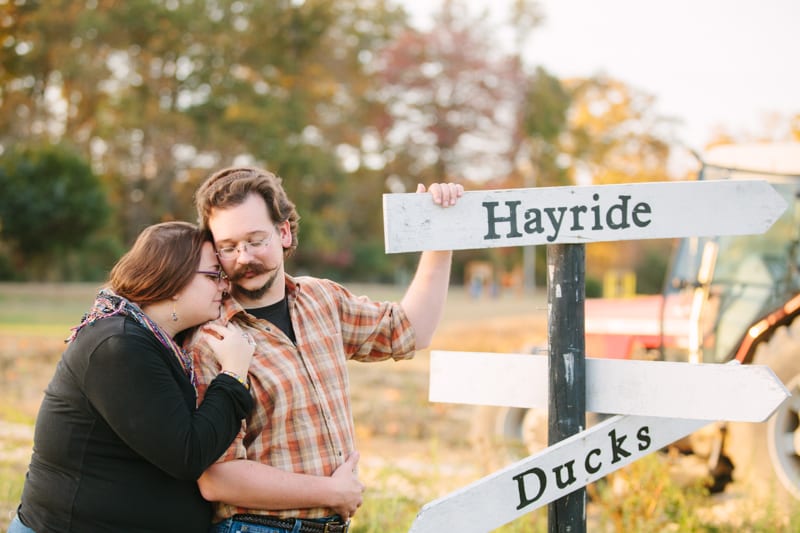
(566, 295)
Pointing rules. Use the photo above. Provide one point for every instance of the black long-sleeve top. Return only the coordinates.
(119, 443)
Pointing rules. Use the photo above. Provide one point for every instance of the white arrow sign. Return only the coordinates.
(549, 215)
(745, 393)
(554, 472)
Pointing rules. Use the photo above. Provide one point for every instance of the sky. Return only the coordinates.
(711, 64)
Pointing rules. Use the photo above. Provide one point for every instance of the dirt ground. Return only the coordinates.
(398, 428)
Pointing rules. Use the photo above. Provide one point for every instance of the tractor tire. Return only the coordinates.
(766, 456)
(506, 434)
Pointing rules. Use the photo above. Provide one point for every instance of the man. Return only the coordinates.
(306, 330)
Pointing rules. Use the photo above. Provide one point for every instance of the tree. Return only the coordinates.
(51, 204)
(156, 93)
(614, 136)
(543, 123)
(450, 97)
(295, 96)
(341, 99)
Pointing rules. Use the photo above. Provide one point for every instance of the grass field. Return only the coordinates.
(412, 451)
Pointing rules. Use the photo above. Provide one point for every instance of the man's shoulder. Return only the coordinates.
(311, 285)
(324, 292)
(305, 281)
(192, 338)
(195, 344)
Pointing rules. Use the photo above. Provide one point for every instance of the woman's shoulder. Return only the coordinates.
(106, 338)
(112, 334)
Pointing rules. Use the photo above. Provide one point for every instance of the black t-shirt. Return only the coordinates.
(119, 444)
(277, 314)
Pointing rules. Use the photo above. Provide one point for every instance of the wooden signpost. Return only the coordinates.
(565, 218)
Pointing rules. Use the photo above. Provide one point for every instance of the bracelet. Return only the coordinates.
(238, 378)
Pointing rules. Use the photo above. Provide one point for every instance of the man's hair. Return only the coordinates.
(230, 187)
(162, 261)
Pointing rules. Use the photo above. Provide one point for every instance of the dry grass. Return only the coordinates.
(413, 451)
(396, 424)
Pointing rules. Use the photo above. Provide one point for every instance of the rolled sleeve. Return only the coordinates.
(373, 331)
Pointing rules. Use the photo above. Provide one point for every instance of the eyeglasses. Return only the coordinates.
(214, 275)
(229, 253)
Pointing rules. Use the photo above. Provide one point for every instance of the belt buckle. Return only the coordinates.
(345, 526)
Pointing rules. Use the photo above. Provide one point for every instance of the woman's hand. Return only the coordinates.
(232, 347)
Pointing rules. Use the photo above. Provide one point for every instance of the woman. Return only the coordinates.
(119, 441)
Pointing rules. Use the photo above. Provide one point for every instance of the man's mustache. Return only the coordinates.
(249, 268)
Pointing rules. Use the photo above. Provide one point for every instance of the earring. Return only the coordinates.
(174, 314)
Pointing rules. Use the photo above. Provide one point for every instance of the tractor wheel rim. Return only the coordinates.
(783, 439)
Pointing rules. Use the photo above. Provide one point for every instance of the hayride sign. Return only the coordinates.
(551, 215)
(652, 400)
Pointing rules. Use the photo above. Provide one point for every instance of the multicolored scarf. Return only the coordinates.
(108, 304)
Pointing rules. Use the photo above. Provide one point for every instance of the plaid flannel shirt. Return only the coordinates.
(302, 421)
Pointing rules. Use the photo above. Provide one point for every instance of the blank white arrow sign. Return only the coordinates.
(745, 393)
(551, 215)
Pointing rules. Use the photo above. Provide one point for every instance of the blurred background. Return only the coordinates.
(111, 114)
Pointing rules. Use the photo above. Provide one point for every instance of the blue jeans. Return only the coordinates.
(235, 526)
(18, 527)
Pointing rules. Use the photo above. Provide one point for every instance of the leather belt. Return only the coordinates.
(306, 526)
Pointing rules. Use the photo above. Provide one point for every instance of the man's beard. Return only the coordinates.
(255, 268)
